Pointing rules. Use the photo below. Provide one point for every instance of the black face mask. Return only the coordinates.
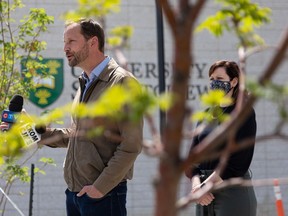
(221, 85)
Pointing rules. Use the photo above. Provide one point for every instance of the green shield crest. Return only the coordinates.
(48, 88)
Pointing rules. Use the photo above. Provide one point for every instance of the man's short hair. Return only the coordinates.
(89, 29)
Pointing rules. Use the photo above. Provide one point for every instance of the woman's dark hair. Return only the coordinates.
(91, 28)
(232, 70)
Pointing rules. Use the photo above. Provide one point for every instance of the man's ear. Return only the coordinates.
(94, 41)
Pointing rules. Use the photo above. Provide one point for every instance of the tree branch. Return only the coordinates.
(170, 14)
(185, 201)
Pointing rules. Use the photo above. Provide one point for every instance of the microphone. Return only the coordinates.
(15, 106)
(40, 129)
(31, 133)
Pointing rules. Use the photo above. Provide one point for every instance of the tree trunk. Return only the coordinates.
(170, 172)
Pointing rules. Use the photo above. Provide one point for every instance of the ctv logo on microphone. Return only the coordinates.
(9, 116)
(29, 134)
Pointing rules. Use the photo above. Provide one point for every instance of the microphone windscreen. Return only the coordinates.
(16, 103)
(40, 129)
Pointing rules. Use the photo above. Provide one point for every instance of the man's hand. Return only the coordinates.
(91, 191)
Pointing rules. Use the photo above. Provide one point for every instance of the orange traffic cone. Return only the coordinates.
(278, 196)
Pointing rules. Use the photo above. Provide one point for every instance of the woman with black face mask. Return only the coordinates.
(237, 200)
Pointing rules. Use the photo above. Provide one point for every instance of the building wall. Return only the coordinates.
(270, 159)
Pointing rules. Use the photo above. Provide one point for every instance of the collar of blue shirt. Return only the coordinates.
(95, 73)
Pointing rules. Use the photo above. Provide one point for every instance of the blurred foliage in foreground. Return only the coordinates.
(240, 18)
(131, 97)
(136, 103)
(117, 37)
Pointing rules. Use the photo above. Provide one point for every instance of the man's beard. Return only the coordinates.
(79, 56)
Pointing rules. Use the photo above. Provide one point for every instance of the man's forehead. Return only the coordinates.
(72, 30)
(73, 26)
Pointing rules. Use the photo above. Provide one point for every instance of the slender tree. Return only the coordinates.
(19, 40)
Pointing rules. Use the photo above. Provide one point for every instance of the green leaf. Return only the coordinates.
(122, 31)
(238, 17)
(199, 116)
(114, 41)
(49, 161)
(165, 101)
(215, 98)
